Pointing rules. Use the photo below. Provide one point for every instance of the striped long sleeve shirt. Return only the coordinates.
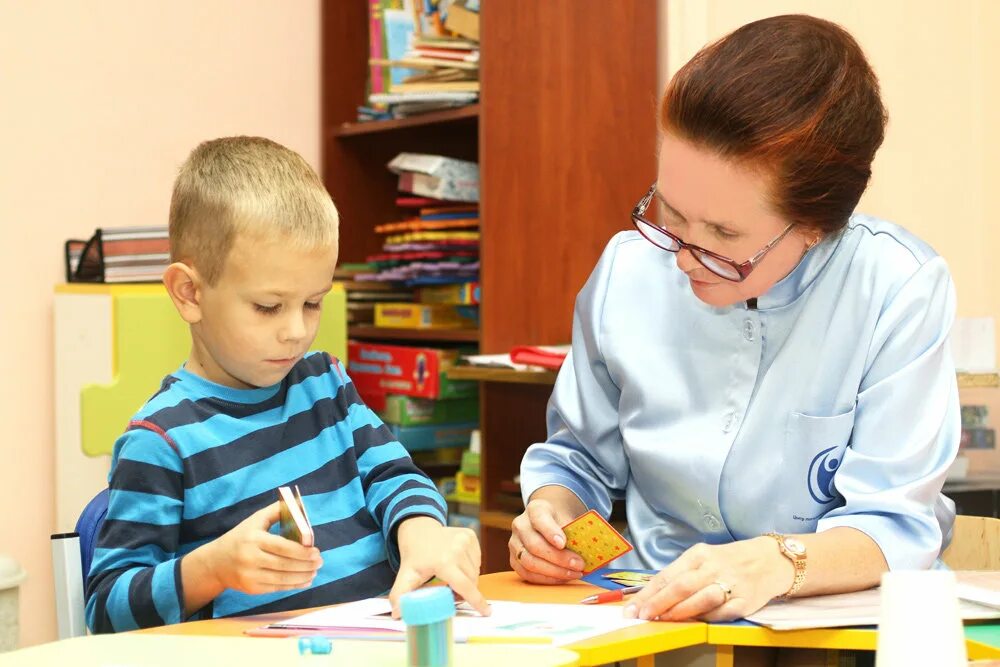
(199, 458)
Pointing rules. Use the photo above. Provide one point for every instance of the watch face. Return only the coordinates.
(795, 546)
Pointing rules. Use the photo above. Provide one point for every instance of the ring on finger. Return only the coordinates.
(727, 591)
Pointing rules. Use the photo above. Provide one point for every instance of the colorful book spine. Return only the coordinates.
(420, 316)
(465, 294)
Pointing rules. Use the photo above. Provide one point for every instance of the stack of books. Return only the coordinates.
(422, 57)
(122, 255)
(434, 251)
(364, 295)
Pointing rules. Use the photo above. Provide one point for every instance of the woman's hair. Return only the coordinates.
(246, 186)
(793, 96)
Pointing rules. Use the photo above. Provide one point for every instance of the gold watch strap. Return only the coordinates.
(798, 562)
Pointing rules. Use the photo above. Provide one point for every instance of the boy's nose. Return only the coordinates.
(294, 329)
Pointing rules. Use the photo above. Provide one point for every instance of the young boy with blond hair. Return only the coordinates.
(189, 529)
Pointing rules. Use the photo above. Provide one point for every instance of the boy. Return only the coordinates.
(253, 239)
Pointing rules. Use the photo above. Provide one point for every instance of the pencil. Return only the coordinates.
(611, 596)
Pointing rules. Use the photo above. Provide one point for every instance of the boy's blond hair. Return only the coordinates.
(245, 185)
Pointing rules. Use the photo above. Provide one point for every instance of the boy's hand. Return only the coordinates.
(427, 549)
(252, 560)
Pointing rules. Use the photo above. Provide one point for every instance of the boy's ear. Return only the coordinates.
(184, 286)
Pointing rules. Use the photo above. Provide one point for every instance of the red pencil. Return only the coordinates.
(611, 596)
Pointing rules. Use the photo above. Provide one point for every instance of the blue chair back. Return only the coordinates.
(87, 527)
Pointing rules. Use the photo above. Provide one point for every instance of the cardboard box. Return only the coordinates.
(410, 411)
(380, 370)
(433, 436)
(421, 316)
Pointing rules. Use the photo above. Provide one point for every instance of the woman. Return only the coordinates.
(762, 375)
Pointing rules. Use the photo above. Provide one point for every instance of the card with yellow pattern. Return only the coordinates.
(594, 540)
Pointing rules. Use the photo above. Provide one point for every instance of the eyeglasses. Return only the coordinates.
(717, 264)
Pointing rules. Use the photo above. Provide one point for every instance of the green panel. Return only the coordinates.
(332, 336)
(987, 633)
(151, 341)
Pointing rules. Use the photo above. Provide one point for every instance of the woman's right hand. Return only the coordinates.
(537, 544)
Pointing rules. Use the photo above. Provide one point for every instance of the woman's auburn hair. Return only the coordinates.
(793, 96)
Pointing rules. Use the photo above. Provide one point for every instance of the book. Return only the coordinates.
(462, 21)
(294, 521)
(124, 254)
(462, 294)
(436, 87)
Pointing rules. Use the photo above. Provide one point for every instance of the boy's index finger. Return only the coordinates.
(465, 588)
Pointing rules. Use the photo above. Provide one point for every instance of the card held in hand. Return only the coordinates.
(295, 524)
(594, 540)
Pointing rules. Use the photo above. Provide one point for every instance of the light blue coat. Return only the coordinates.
(833, 403)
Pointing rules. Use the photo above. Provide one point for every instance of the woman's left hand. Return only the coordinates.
(715, 582)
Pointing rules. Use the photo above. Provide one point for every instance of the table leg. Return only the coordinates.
(645, 661)
(724, 656)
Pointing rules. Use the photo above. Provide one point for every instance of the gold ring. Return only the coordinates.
(727, 591)
(520, 553)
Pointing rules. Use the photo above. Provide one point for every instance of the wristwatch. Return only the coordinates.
(795, 551)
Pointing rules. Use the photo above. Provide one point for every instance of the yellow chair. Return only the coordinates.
(975, 544)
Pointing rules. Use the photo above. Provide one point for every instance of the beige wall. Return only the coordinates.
(939, 64)
(100, 101)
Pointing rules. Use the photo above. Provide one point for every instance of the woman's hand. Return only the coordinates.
(716, 582)
(537, 544)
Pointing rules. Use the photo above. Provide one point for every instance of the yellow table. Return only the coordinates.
(725, 637)
(160, 650)
(641, 642)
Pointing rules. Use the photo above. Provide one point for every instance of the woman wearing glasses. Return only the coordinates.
(761, 374)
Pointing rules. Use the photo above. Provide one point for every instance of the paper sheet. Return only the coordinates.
(845, 609)
(564, 623)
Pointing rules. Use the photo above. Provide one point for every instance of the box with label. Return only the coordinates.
(380, 370)
(433, 436)
(463, 294)
(422, 316)
(979, 395)
(410, 411)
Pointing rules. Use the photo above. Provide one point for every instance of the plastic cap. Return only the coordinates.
(314, 645)
(11, 573)
(428, 605)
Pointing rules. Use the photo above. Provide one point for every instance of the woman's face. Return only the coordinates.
(721, 206)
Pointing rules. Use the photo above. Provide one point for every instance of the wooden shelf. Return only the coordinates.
(978, 380)
(470, 112)
(488, 374)
(432, 335)
(496, 519)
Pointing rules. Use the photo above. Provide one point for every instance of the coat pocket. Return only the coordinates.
(818, 444)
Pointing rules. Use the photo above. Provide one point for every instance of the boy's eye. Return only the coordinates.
(313, 305)
(267, 310)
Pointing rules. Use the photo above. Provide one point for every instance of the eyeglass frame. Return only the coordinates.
(743, 270)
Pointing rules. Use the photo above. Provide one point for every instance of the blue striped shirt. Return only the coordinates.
(200, 458)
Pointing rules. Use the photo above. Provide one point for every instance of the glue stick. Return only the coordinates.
(427, 614)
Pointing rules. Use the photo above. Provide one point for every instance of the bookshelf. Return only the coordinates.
(564, 134)
(414, 335)
(468, 114)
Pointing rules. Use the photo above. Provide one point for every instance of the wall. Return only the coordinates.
(101, 102)
(938, 64)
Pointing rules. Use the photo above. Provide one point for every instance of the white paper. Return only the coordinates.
(845, 609)
(496, 361)
(563, 623)
(973, 344)
(980, 587)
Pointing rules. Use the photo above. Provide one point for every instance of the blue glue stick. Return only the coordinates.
(427, 614)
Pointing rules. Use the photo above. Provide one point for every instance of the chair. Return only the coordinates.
(975, 544)
(72, 554)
